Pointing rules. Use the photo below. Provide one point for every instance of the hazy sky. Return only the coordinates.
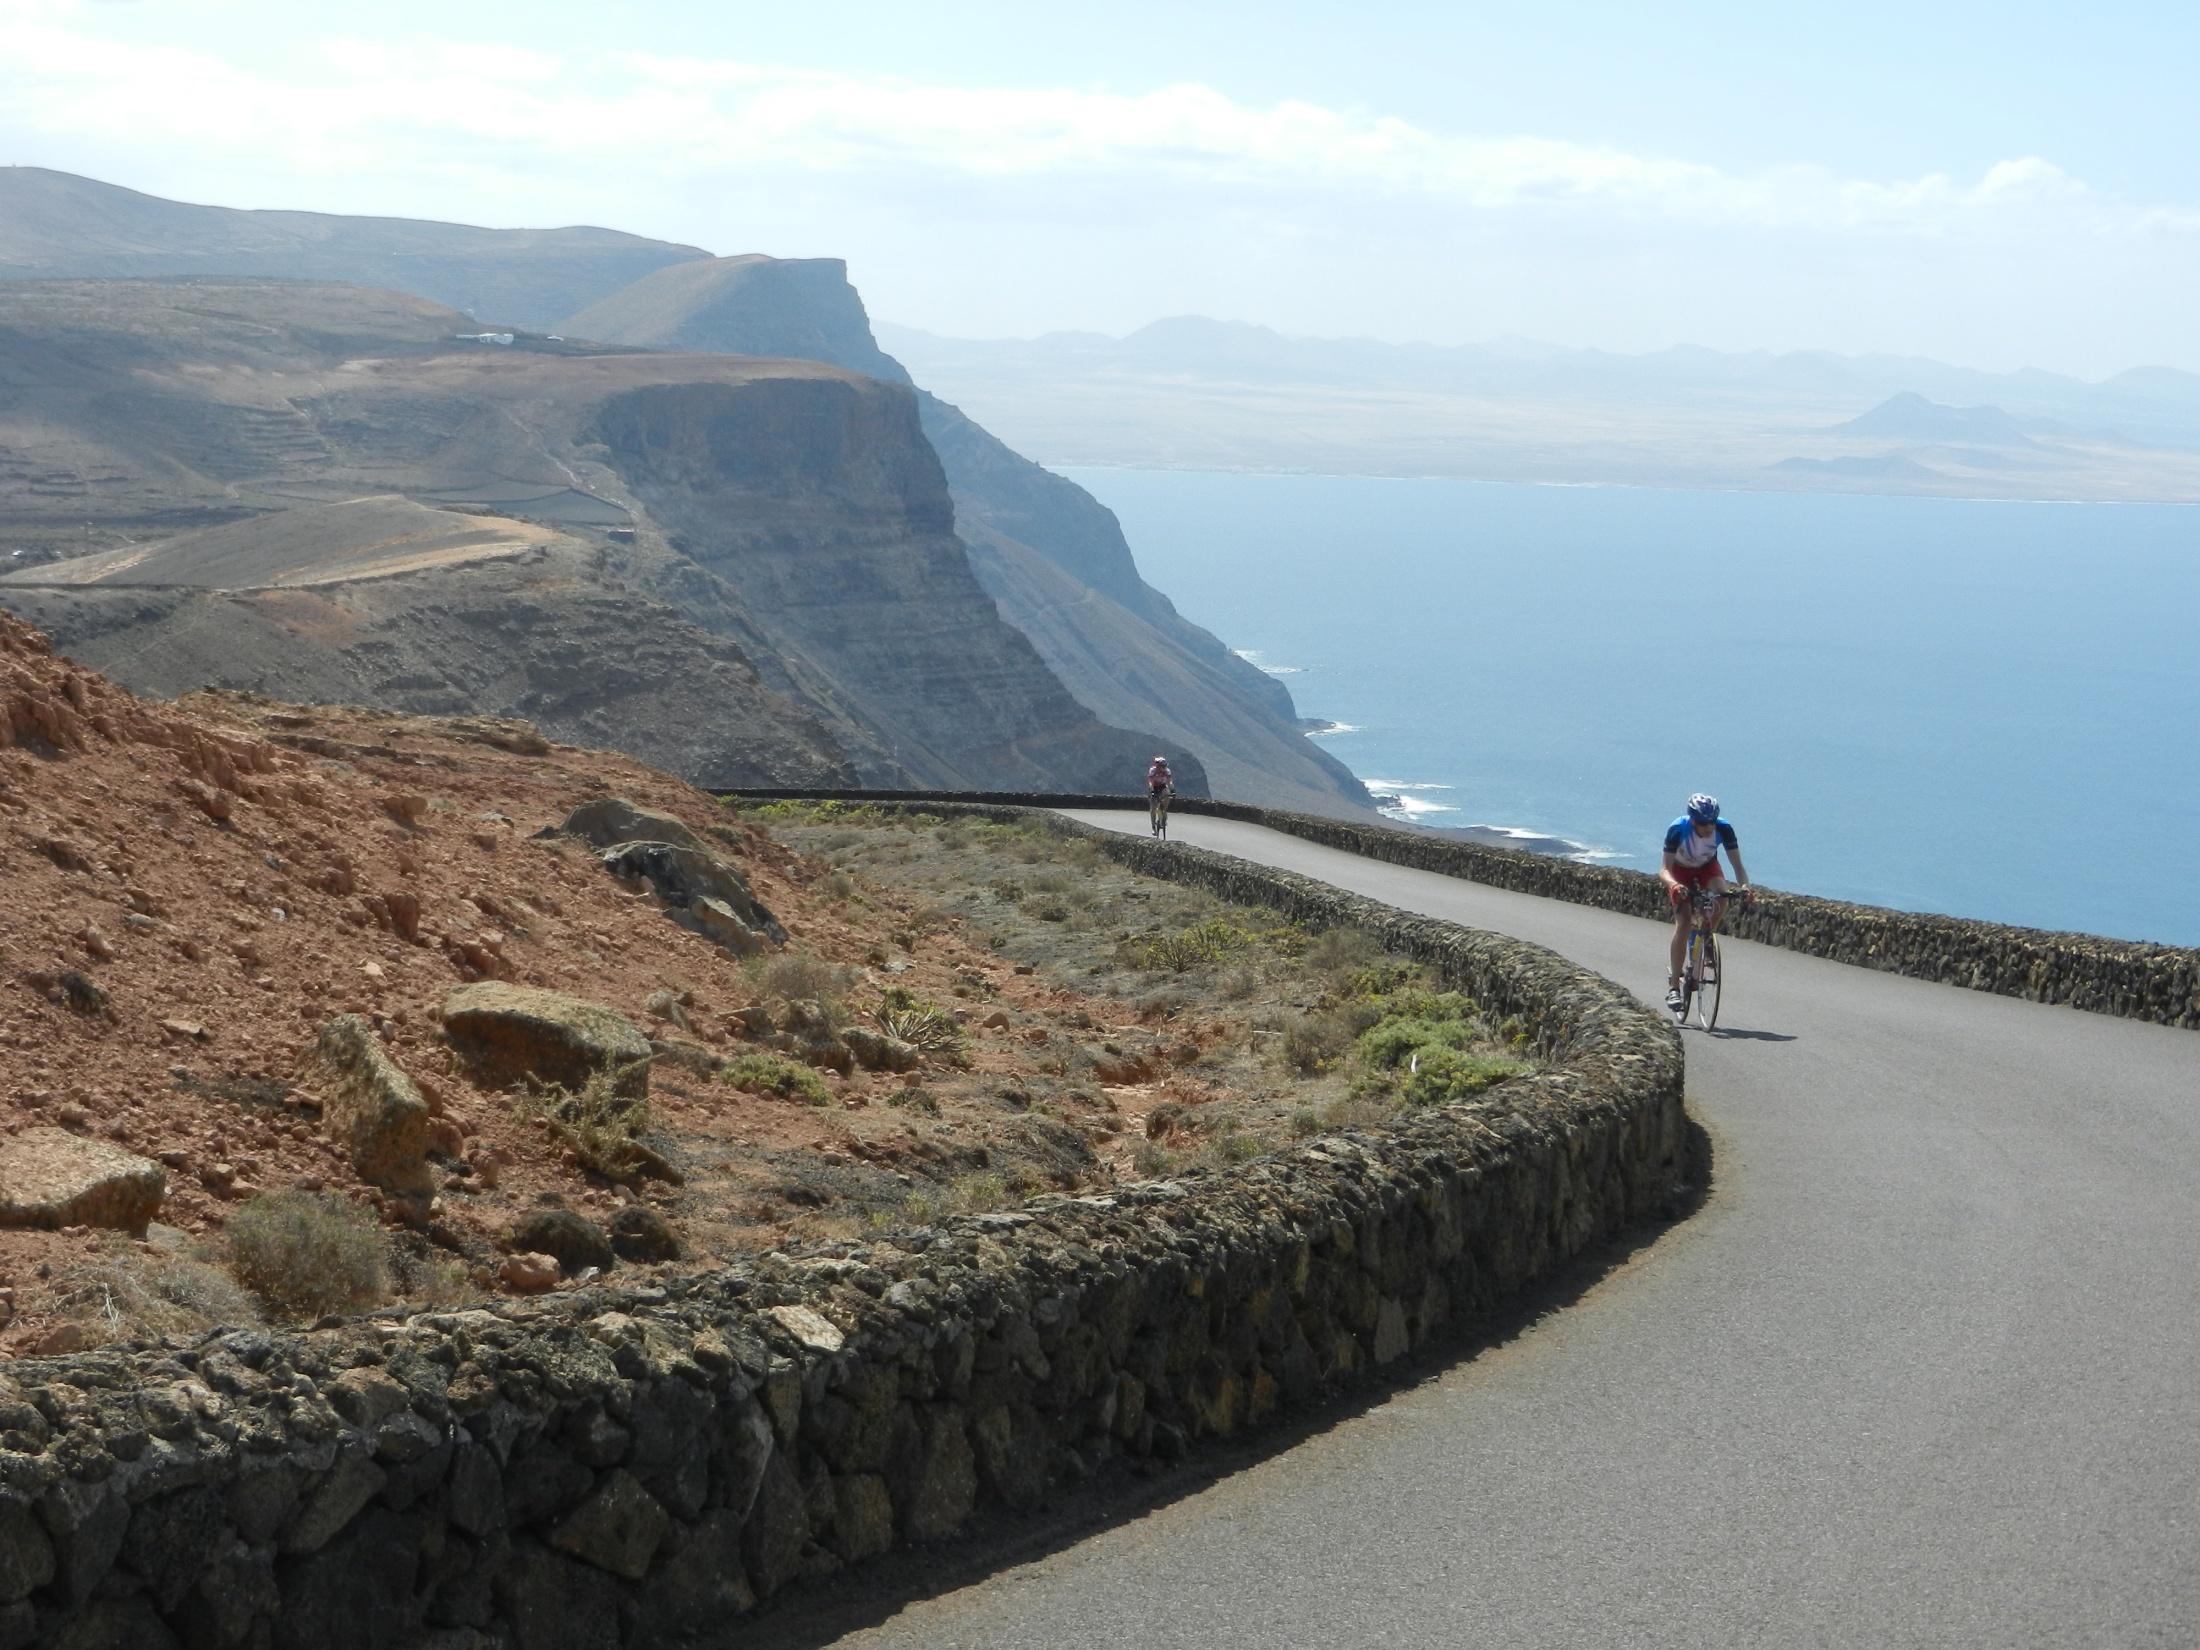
(2001, 185)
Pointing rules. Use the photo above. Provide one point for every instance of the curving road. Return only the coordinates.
(1924, 1371)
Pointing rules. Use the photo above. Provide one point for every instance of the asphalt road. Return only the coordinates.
(1924, 1371)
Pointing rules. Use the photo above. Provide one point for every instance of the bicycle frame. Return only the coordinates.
(1703, 975)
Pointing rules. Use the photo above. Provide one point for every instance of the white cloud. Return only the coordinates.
(443, 103)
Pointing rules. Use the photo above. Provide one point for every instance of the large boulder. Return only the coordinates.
(574, 1241)
(701, 891)
(49, 1179)
(509, 1034)
(370, 1107)
(613, 820)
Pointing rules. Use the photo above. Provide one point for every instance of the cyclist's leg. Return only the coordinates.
(1717, 885)
(1677, 959)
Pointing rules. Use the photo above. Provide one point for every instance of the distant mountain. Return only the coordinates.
(1910, 417)
(56, 224)
(1190, 392)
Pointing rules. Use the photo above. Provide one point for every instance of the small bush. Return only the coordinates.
(1452, 1074)
(306, 1255)
(774, 1074)
(1386, 979)
(902, 1013)
(795, 976)
(1231, 1147)
(594, 1123)
(1415, 1021)
(1199, 947)
(837, 885)
(1155, 1161)
(1312, 1043)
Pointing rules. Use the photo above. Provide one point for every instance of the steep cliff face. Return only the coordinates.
(801, 308)
(1052, 556)
(822, 508)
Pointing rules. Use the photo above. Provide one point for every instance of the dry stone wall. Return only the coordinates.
(642, 1466)
(2129, 978)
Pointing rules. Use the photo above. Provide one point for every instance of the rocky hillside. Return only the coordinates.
(744, 570)
(341, 1005)
(55, 224)
(1049, 553)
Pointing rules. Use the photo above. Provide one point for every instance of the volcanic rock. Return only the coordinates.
(512, 1033)
(50, 1179)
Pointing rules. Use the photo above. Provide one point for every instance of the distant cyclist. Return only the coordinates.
(1692, 844)
(1160, 785)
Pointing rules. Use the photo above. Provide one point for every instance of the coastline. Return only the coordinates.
(1679, 484)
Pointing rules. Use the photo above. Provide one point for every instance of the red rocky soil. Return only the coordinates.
(196, 888)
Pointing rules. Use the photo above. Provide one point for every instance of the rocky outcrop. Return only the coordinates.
(370, 1107)
(802, 308)
(701, 890)
(513, 1034)
(50, 1178)
(609, 821)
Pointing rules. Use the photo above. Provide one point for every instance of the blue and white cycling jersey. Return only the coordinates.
(1682, 842)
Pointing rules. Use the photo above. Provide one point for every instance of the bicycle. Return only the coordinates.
(1704, 977)
(1157, 810)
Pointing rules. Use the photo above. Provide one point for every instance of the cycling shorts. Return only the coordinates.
(1692, 876)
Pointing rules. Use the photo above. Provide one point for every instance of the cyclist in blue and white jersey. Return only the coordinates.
(1692, 844)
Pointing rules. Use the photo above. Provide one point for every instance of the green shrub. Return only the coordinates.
(774, 1074)
(306, 1255)
(1386, 979)
(902, 1013)
(1453, 1074)
(1393, 1041)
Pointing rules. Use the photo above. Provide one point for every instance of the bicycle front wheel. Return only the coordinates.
(1714, 982)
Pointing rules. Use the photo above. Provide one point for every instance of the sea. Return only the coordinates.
(1984, 708)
